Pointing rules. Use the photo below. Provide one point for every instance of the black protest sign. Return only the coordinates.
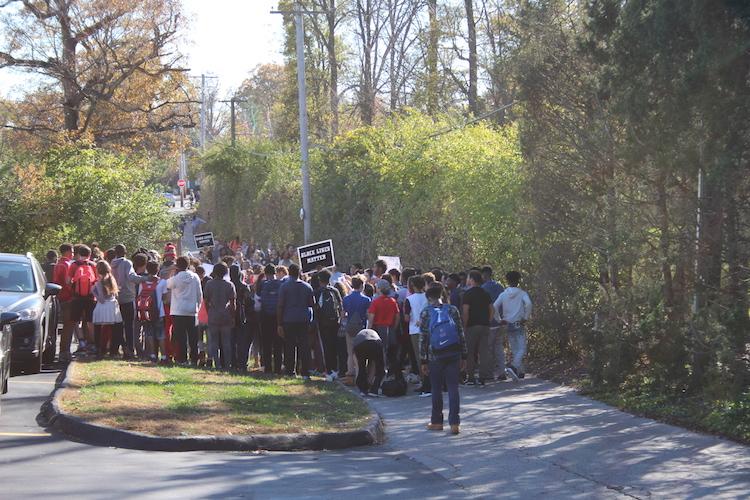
(316, 254)
(204, 240)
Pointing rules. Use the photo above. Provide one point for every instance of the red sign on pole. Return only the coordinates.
(181, 183)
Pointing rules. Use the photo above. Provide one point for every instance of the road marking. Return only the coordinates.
(25, 434)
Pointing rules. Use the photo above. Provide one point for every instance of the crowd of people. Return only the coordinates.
(380, 328)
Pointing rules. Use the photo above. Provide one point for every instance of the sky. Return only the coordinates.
(224, 38)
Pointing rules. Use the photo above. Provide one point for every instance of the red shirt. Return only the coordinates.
(60, 277)
(385, 310)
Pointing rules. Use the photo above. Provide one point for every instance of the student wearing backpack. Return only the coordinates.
(81, 279)
(149, 311)
(272, 346)
(443, 355)
(355, 306)
(220, 296)
(328, 312)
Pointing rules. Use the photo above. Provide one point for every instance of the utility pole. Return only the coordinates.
(203, 116)
(232, 103)
(302, 98)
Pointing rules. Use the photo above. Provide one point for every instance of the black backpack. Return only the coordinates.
(330, 305)
(394, 388)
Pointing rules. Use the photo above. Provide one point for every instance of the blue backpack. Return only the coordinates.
(444, 336)
(269, 296)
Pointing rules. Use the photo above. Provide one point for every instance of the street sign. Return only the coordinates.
(391, 262)
(181, 183)
(316, 254)
(204, 240)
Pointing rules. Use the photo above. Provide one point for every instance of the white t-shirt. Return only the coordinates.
(417, 302)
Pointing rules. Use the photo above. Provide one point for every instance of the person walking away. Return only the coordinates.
(49, 265)
(220, 296)
(64, 298)
(513, 309)
(477, 312)
(413, 307)
(241, 331)
(106, 316)
(185, 288)
(166, 271)
(368, 347)
(81, 278)
(355, 305)
(383, 317)
(149, 311)
(443, 355)
(127, 280)
(272, 346)
(329, 312)
(497, 334)
(294, 316)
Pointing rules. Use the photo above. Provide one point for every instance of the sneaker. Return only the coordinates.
(521, 375)
(471, 382)
(364, 394)
(454, 429)
(423, 394)
(512, 372)
(434, 427)
(64, 357)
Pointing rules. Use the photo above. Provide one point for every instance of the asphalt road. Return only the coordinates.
(519, 440)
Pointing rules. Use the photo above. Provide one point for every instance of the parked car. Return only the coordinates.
(6, 319)
(169, 199)
(24, 290)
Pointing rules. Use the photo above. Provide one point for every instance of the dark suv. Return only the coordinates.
(24, 290)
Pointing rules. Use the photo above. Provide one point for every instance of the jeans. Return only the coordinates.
(369, 353)
(445, 370)
(184, 335)
(272, 346)
(127, 310)
(297, 342)
(329, 332)
(390, 346)
(477, 342)
(220, 337)
(517, 343)
(497, 347)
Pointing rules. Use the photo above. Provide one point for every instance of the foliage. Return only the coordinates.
(79, 193)
(395, 189)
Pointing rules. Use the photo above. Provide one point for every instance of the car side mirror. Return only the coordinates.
(51, 289)
(8, 317)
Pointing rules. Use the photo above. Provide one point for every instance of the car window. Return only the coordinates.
(16, 277)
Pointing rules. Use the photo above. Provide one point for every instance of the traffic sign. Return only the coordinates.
(181, 183)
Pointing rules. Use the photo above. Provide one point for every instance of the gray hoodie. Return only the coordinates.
(186, 294)
(127, 279)
(513, 305)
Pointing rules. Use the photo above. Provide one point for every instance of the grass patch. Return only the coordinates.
(174, 401)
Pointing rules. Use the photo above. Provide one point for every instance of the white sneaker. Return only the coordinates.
(512, 374)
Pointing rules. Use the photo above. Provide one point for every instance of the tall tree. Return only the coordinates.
(93, 49)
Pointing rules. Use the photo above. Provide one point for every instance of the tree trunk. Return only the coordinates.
(71, 95)
(334, 70)
(432, 59)
(664, 243)
(472, 32)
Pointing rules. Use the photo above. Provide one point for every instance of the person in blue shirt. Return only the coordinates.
(295, 312)
(497, 334)
(355, 306)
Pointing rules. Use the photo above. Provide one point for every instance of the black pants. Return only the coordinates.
(329, 333)
(127, 311)
(241, 339)
(343, 355)
(368, 353)
(184, 335)
(297, 342)
(116, 332)
(272, 346)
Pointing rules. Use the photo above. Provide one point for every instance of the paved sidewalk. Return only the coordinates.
(534, 439)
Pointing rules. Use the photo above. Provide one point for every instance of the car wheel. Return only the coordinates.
(5, 386)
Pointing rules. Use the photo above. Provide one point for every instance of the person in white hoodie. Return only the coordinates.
(513, 308)
(186, 301)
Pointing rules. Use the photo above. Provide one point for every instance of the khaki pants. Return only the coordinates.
(477, 341)
(351, 360)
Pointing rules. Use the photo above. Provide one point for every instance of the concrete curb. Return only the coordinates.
(53, 417)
